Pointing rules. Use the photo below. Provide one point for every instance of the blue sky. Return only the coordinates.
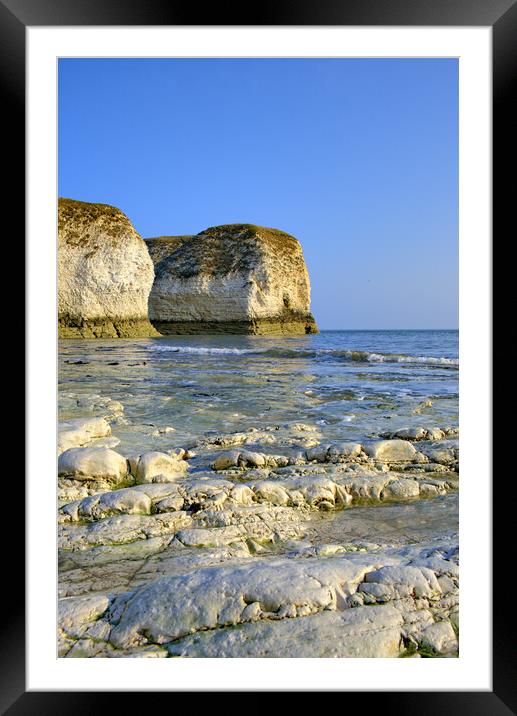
(357, 158)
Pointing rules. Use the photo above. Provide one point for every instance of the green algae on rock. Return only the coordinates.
(102, 327)
(235, 278)
(105, 273)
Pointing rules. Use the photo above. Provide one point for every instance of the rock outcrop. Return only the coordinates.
(375, 604)
(268, 542)
(105, 273)
(236, 278)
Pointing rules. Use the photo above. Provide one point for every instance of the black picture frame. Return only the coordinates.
(501, 15)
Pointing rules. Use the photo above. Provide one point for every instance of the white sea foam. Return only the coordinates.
(201, 350)
(347, 355)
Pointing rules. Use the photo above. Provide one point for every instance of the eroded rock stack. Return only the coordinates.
(236, 278)
(105, 273)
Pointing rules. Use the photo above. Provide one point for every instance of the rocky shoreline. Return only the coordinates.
(218, 548)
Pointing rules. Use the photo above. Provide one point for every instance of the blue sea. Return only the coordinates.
(351, 384)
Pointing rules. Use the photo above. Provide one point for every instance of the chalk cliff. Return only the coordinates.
(162, 247)
(105, 273)
(236, 278)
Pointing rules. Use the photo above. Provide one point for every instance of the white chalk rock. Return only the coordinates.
(391, 451)
(226, 460)
(75, 613)
(105, 273)
(441, 637)
(269, 491)
(208, 598)
(363, 632)
(401, 490)
(343, 451)
(410, 433)
(127, 501)
(159, 467)
(237, 278)
(92, 464)
(253, 459)
(76, 433)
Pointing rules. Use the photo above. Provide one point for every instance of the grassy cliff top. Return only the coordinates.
(224, 249)
(170, 239)
(161, 247)
(75, 217)
(239, 231)
(73, 207)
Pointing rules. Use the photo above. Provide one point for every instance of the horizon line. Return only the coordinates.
(389, 329)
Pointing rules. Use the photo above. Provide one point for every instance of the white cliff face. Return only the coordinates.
(235, 278)
(200, 298)
(105, 273)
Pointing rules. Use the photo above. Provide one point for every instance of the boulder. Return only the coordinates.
(236, 278)
(105, 273)
(391, 451)
(272, 492)
(404, 581)
(401, 490)
(339, 452)
(91, 463)
(159, 467)
(127, 501)
(247, 459)
(440, 637)
(410, 433)
(226, 460)
(75, 433)
(76, 612)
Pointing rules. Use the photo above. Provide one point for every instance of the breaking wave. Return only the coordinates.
(322, 353)
(200, 350)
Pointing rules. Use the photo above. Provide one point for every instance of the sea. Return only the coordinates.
(349, 384)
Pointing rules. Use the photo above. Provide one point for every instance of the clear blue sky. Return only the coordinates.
(357, 158)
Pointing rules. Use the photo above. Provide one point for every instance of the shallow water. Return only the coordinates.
(393, 524)
(347, 384)
(350, 384)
